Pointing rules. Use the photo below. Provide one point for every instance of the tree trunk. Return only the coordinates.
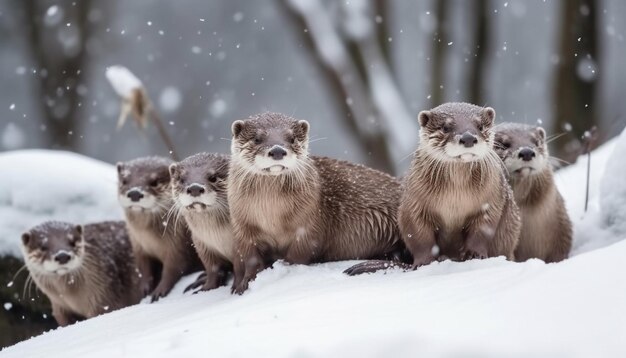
(59, 73)
(477, 75)
(438, 56)
(373, 143)
(575, 82)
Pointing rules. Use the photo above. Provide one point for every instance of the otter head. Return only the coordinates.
(522, 148)
(457, 131)
(53, 248)
(270, 143)
(199, 182)
(144, 184)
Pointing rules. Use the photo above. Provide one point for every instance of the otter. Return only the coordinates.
(546, 227)
(456, 203)
(199, 191)
(85, 271)
(304, 209)
(163, 249)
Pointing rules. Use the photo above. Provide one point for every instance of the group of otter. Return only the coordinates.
(473, 191)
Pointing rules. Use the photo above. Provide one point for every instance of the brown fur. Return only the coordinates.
(210, 226)
(105, 280)
(318, 210)
(546, 228)
(156, 239)
(455, 209)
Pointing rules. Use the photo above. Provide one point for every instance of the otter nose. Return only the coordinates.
(526, 154)
(277, 153)
(195, 190)
(62, 258)
(468, 139)
(134, 195)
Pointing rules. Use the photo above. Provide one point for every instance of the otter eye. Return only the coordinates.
(258, 140)
(506, 145)
(43, 248)
(446, 128)
(292, 140)
(481, 127)
(154, 183)
(124, 181)
(212, 178)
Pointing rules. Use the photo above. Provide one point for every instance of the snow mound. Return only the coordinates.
(39, 185)
(613, 189)
(590, 231)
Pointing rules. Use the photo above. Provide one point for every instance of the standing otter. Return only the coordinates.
(84, 271)
(287, 204)
(456, 202)
(199, 190)
(145, 193)
(546, 228)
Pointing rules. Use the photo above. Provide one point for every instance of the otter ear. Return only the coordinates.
(237, 127)
(173, 170)
(120, 167)
(424, 117)
(489, 114)
(541, 133)
(25, 238)
(303, 127)
(79, 229)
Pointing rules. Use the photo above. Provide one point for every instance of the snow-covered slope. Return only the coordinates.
(488, 308)
(39, 185)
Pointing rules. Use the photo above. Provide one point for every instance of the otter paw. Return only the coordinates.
(240, 288)
(422, 261)
(200, 281)
(159, 292)
(471, 254)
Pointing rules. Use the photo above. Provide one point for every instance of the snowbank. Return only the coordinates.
(39, 185)
(590, 230)
(613, 189)
(486, 308)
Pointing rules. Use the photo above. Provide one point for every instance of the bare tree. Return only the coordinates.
(438, 57)
(576, 73)
(57, 35)
(357, 69)
(477, 72)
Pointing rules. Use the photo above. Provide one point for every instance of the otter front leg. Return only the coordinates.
(173, 270)
(479, 233)
(419, 238)
(215, 272)
(248, 261)
(303, 250)
(62, 316)
(144, 268)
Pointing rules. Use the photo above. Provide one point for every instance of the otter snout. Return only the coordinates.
(62, 257)
(134, 195)
(468, 140)
(526, 154)
(277, 152)
(195, 190)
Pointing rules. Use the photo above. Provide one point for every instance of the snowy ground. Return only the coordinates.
(488, 308)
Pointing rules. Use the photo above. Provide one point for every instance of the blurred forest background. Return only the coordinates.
(358, 70)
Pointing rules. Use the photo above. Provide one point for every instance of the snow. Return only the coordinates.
(170, 99)
(481, 308)
(613, 188)
(122, 80)
(39, 185)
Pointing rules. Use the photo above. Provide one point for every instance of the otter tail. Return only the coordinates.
(376, 265)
